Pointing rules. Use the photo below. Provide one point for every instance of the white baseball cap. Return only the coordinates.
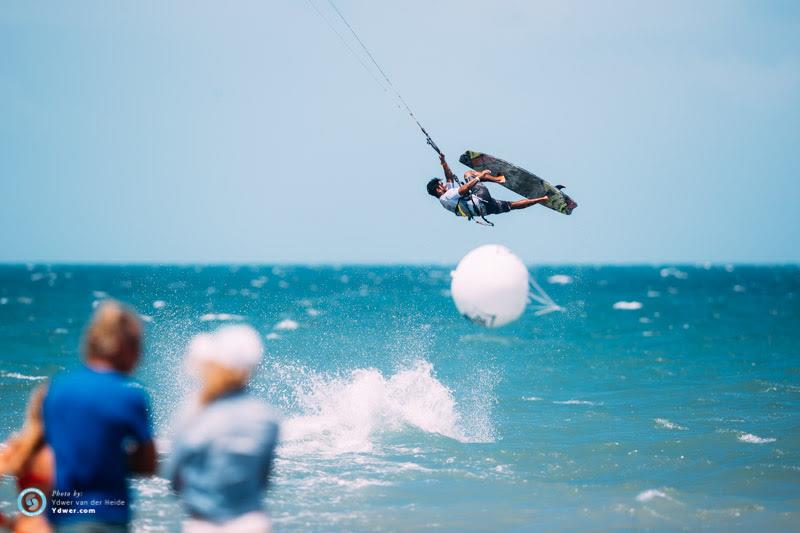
(237, 347)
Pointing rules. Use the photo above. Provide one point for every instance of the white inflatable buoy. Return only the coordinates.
(490, 286)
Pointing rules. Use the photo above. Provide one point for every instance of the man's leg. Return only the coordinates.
(527, 202)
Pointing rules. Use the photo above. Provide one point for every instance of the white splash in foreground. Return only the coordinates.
(346, 415)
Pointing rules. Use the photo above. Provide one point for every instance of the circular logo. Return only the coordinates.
(31, 502)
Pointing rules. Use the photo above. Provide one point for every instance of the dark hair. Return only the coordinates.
(432, 186)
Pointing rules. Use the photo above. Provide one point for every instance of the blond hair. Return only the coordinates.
(113, 328)
(219, 380)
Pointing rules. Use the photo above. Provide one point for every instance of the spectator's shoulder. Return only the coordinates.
(133, 390)
(260, 410)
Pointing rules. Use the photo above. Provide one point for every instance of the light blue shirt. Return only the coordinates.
(222, 457)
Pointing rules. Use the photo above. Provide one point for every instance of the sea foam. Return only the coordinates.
(220, 316)
(651, 494)
(17, 375)
(287, 325)
(666, 424)
(755, 439)
(627, 306)
(346, 414)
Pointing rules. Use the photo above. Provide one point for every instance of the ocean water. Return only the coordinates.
(662, 398)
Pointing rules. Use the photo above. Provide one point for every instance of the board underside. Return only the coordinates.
(520, 180)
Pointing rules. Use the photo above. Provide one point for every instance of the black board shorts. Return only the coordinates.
(489, 205)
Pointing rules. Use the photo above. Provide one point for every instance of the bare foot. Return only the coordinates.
(496, 179)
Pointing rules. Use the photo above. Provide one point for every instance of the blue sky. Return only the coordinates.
(246, 132)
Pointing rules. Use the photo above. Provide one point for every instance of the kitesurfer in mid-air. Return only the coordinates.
(472, 199)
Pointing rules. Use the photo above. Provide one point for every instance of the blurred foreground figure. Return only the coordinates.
(26, 457)
(96, 421)
(222, 453)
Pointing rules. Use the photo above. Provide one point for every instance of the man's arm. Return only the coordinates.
(464, 189)
(448, 174)
(142, 460)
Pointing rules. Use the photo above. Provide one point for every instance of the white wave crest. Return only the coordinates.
(754, 439)
(666, 424)
(287, 325)
(220, 316)
(343, 415)
(627, 306)
(651, 494)
(672, 272)
(17, 375)
(560, 279)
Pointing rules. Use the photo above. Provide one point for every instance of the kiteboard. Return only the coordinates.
(520, 180)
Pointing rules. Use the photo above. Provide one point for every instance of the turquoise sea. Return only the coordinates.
(664, 397)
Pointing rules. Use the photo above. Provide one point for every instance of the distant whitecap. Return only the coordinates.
(560, 279)
(159, 304)
(754, 439)
(666, 424)
(287, 325)
(258, 282)
(671, 272)
(627, 306)
(651, 494)
(23, 377)
(220, 316)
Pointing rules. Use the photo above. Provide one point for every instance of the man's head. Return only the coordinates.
(114, 337)
(436, 187)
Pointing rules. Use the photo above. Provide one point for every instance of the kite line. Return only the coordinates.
(389, 87)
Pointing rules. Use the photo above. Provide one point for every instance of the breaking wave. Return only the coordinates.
(335, 415)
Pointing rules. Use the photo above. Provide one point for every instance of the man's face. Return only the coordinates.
(441, 189)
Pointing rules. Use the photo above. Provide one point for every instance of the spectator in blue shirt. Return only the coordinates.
(222, 453)
(97, 424)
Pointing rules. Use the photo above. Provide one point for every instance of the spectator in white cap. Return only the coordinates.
(222, 454)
